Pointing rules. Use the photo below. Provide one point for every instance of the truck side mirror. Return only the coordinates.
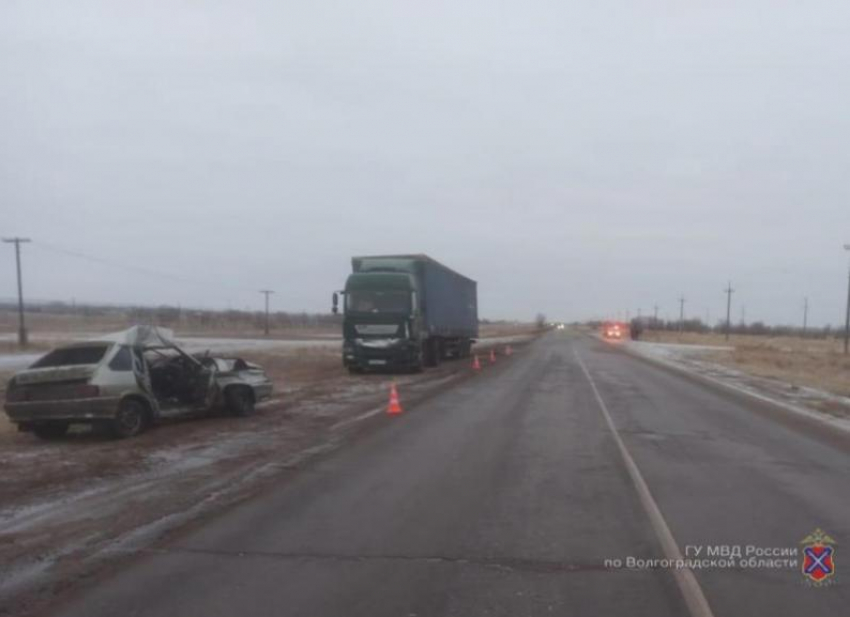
(335, 307)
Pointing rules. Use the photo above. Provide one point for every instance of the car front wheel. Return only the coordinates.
(240, 401)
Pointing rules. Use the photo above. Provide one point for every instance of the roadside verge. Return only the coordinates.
(739, 386)
(71, 507)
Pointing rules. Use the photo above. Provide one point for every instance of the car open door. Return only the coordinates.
(202, 386)
(140, 370)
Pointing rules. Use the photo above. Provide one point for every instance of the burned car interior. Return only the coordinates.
(177, 379)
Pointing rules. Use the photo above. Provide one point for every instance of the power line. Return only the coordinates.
(267, 293)
(847, 317)
(805, 314)
(22, 329)
(132, 268)
(682, 313)
(728, 291)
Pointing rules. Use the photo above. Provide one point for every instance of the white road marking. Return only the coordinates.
(689, 586)
(355, 419)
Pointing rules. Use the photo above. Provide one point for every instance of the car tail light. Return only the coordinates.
(13, 392)
(85, 391)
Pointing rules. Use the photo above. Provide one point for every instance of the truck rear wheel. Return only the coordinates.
(433, 351)
(417, 364)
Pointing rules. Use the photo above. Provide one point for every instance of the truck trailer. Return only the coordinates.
(405, 312)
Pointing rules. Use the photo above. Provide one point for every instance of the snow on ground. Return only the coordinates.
(196, 344)
(15, 361)
(798, 399)
(232, 345)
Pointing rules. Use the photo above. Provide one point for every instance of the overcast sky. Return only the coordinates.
(577, 158)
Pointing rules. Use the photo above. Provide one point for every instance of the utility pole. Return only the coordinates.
(805, 314)
(267, 293)
(22, 329)
(728, 292)
(847, 318)
(682, 313)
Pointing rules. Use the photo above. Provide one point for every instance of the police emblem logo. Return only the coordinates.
(818, 557)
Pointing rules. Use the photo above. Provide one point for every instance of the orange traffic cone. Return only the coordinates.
(508, 350)
(394, 407)
(476, 365)
(492, 355)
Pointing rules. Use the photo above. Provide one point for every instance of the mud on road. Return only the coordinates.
(70, 507)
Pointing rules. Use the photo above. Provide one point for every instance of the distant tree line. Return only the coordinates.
(179, 318)
(176, 317)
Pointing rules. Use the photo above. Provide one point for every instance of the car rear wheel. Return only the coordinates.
(240, 401)
(130, 420)
(51, 430)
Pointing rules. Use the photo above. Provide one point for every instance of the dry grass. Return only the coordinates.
(11, 347)
(62, 327)
(59, 327)
(5, 425)
(301, 366)
(506, 329)
(47, 322)
(815, 363)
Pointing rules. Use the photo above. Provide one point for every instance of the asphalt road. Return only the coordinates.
(506, 494)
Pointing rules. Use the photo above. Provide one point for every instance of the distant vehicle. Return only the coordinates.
(406, 312)
(127, 381)
(614, 330)
(560, 326)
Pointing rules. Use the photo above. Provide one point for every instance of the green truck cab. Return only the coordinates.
(406, 312)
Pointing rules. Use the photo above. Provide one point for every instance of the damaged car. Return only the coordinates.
(127, 381)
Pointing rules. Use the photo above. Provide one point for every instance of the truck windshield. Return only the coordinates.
(371, 301)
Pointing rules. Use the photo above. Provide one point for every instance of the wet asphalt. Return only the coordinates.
(505, 495)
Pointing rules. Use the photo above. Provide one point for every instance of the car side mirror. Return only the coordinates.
(335, 307)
